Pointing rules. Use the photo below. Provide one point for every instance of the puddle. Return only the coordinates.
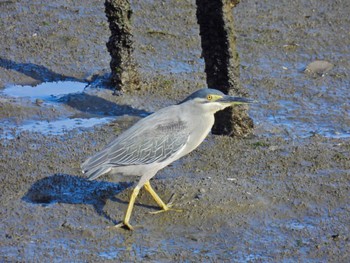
(50, 94)
(60, 127)
(46, 91)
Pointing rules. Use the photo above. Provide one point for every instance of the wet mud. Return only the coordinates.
(281, 195)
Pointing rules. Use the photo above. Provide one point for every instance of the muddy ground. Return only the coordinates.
(281, 195)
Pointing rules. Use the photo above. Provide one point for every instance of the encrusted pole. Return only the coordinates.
(120, 44)
(215, 19)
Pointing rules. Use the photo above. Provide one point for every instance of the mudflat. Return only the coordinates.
(281, 195)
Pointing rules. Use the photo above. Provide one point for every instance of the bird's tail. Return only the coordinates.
(96, 172)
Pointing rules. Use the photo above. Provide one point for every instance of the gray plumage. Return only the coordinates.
(158, 140)
(141, 144)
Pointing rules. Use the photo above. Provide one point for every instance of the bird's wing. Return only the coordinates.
(153, 139)
(152, 145)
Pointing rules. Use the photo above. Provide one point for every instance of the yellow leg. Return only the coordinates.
(125, 222)
(159, 201)
(134, 194)
(156, 197)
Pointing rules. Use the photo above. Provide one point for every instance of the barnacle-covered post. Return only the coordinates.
(215, 19)
(120, 44)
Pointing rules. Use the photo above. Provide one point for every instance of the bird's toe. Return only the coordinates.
(125, 225)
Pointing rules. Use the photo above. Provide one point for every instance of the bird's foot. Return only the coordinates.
(164, 210)
(124, 225)
(167, 207)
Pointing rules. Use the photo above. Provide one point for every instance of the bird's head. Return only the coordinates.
(213, 100)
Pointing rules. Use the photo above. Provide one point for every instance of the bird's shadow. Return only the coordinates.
(64, 188)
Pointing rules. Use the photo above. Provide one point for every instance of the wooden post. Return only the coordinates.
(120, 44)
(215, 19)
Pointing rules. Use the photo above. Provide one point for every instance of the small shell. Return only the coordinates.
(319, 67)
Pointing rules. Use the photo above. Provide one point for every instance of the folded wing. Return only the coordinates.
(142, 144)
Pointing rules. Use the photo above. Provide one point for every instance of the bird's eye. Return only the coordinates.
(209, 97)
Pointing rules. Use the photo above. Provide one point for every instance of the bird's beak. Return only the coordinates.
(235, 100)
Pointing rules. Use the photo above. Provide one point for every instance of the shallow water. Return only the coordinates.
(50, 94)
(56, 127)
(48, 91)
